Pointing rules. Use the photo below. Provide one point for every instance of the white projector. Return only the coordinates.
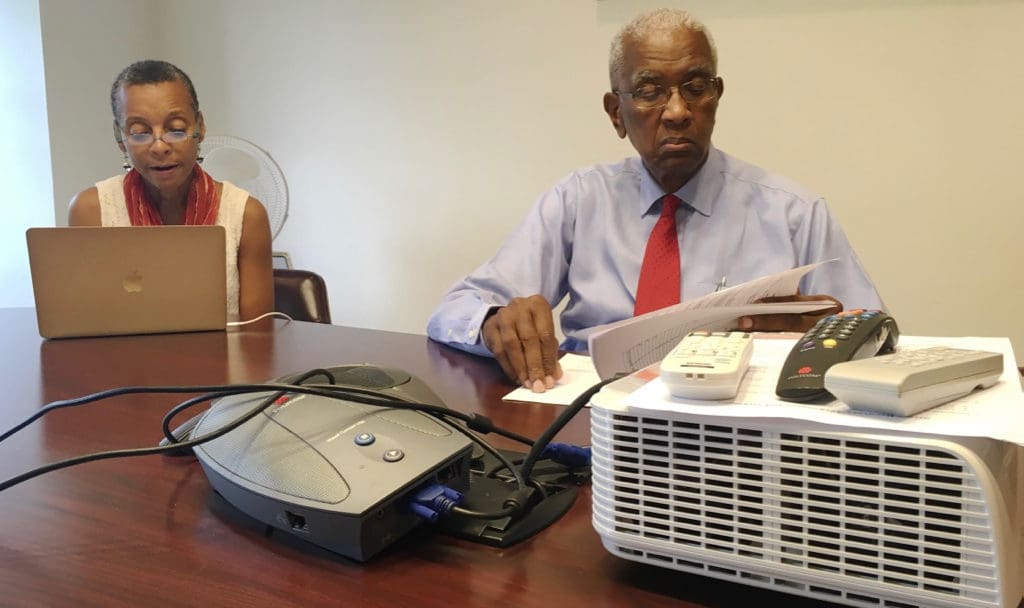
(876, 519)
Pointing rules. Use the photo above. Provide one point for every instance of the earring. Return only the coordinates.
(199, 154)
(127, 165)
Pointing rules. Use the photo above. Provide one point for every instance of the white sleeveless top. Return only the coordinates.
(114, 212)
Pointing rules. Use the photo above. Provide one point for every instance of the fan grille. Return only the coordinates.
(251, 168)
(894, 525)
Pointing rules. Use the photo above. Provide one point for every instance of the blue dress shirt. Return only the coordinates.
(586, 236)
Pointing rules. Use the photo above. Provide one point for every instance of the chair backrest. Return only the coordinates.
(302, 295)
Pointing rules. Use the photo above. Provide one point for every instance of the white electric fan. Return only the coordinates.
(251, 168)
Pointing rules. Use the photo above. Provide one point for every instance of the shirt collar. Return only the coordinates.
(698, 193)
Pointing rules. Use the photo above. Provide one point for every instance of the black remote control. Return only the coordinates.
(849, 335)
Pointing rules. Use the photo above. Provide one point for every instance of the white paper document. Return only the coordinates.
(996, 412)
(578, 375)
(631, 344)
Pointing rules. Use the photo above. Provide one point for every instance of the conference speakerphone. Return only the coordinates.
(354, 477)
(339, 474)
(872, 519)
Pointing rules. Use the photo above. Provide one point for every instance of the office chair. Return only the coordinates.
(302, 295)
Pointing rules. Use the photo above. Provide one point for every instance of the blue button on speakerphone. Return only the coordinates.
(364, 439)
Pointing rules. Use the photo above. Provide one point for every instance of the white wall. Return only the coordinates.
(24, 147)
(415, 135)
(86, 44)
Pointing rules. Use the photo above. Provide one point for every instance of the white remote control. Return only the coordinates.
(911, 381)
(707, 365)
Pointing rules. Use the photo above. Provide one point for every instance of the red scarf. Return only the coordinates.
(200, 208)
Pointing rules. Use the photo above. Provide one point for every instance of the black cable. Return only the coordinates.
(518, 477)
(316, 371)
(567, 414)
(513, 436)
(72, 403)
(165, 424)
(442, 413)
(69, 462)
(445, 413)
(470, 419)
(133, 390)
(177, 445)
(216, 391)
(360, 395)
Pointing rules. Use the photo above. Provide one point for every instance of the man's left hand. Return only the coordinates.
(790, 322)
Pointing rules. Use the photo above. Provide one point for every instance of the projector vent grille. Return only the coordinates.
(894, 524)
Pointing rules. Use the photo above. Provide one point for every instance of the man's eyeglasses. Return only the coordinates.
(168, 137)
(651, 96)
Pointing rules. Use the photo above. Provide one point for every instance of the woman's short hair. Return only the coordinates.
(149, 71)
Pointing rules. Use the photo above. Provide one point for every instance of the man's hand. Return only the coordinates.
(790, 322)
(522, 337)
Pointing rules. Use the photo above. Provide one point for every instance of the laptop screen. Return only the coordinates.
(99, 281)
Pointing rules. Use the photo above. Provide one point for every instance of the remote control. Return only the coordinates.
(707, 365)
(911, 381)
(850, 335)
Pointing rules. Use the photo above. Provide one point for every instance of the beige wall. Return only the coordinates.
(415, 135)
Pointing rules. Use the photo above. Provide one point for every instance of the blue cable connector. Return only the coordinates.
(567, 454)
(433, 501)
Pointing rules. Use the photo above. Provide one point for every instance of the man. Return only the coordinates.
(588, 237)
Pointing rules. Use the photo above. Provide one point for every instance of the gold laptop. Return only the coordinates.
(103, 281)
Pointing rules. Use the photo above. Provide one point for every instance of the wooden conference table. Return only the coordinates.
(149, 531)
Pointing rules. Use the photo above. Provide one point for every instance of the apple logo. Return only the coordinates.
(133, 282)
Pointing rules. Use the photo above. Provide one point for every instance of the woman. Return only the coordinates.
(159, 128)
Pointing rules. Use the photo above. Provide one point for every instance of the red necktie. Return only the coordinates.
(658, 286)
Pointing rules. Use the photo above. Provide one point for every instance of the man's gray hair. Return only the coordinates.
(646, 24)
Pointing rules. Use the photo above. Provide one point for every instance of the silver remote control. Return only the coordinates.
(911, 381)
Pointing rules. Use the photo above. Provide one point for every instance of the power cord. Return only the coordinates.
(260, 318)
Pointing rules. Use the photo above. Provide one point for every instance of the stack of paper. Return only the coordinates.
(631, 344)
(996, 412)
